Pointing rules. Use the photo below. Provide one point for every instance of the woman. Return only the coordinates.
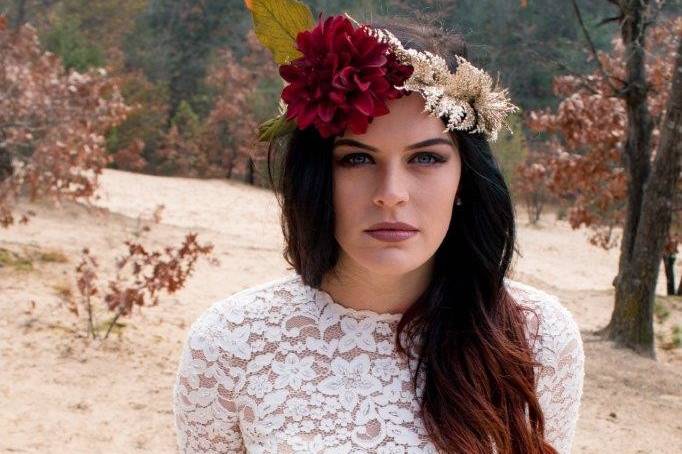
(387, 338)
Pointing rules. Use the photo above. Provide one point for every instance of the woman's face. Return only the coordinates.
(403, 169)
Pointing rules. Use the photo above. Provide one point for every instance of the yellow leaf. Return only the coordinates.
(277, 22)
(275, 127)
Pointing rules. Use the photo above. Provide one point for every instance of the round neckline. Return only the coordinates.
(357, 313)
(344, 310)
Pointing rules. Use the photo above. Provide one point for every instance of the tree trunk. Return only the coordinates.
(650, 198)
(6, 167)
(250, 172)
(20, 16)
(636, 153)
(669, 266)
(625, 320)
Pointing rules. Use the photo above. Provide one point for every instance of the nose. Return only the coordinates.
(391, 186)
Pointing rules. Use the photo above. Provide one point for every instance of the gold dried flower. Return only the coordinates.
(468, 98)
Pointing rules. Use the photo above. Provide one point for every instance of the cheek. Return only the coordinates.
(348, 197)
(435, 199)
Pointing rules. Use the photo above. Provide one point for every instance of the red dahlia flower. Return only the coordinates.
(343, 79)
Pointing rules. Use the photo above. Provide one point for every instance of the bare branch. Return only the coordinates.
(586, 83)
(610, 19)
(594, 51)
(651, 14)
(554, 64)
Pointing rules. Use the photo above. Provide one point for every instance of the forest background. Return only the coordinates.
(199, 79)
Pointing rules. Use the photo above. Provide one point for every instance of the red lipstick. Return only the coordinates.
(392, 231)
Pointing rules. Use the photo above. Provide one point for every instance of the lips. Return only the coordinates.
(391, 235)
(392, 226)
(392, 231)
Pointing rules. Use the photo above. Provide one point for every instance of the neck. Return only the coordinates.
(359, 288)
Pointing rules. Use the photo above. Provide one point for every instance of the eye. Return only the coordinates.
(432, 158)
(348, 159)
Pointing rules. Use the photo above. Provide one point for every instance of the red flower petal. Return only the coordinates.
(375, 57)
(380, 85)
(363, 102)
(293, 110)
(358, 123)
(337, 97)
(288, 73)
(363, 86)
(307, 116)
(292, 93)
(326, 111)
(342, 78)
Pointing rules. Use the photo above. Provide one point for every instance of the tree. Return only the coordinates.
(51, 123)
(76, 52)
(533, 180)
(622, 125)
(173, 41)
(19, 12)
(233, 121)
(225, 143)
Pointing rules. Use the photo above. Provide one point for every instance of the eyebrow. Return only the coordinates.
(424, 143)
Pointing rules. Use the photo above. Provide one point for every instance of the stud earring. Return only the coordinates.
(458, 201)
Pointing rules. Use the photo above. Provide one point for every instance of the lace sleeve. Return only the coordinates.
(206, 416)
(560, 379)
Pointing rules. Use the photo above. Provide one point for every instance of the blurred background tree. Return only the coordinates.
(163, 49)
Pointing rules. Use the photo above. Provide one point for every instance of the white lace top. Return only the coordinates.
(282, 368)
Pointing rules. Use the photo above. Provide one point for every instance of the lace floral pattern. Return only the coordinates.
(282, 368)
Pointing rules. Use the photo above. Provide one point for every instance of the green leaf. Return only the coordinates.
(275, 127)
(277, 22)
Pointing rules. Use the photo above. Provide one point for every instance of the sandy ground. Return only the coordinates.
(62, 393)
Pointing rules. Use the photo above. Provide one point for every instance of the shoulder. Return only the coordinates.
(252, 302)
(228, 323)
(552, 329)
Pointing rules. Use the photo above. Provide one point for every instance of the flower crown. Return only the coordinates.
(340, 76)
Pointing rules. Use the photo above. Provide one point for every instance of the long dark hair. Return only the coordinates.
(470, 335)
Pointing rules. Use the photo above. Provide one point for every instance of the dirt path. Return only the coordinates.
(62, 394)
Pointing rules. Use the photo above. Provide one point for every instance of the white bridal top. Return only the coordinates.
(283, 368)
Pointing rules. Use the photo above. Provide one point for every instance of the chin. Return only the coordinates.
(389, 263)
